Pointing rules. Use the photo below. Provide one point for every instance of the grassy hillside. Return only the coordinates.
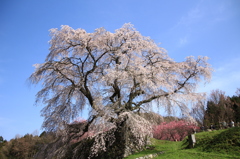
(218, 144)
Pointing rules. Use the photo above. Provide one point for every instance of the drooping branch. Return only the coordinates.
(181, 85)
(114, 72)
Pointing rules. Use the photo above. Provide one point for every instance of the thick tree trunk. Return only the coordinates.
(119, 142)
(124, 145)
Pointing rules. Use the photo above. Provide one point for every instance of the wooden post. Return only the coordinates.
(192, 140)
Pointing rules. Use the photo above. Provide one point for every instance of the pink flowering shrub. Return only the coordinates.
(173, 131)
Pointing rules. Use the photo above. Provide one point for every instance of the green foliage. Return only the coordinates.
(236, 107)
(216, 113)
(2, 142)
(235, 99)
(221, 108)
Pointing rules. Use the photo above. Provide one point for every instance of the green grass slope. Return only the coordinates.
(221, 141)
(218, 144)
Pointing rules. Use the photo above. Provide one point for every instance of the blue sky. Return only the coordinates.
(184, 28)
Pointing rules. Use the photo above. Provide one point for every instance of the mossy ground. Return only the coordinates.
(218, 144)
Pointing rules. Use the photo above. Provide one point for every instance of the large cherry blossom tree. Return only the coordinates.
(114, 75)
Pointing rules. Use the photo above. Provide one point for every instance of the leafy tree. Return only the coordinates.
(2, 141)
(24, 147)
(217, 108)
(236, 105)
(117, 76)
(221, 108)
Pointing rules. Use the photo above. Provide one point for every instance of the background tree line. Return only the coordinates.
(24, 147)
(218, 108)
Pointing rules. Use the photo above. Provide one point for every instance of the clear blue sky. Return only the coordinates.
(187, 27)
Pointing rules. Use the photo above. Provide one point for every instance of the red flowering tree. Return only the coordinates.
(174, 131)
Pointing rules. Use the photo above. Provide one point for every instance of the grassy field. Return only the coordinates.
(218, 144)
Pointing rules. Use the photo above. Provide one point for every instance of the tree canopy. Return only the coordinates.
(113, 74)
(117, 72)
